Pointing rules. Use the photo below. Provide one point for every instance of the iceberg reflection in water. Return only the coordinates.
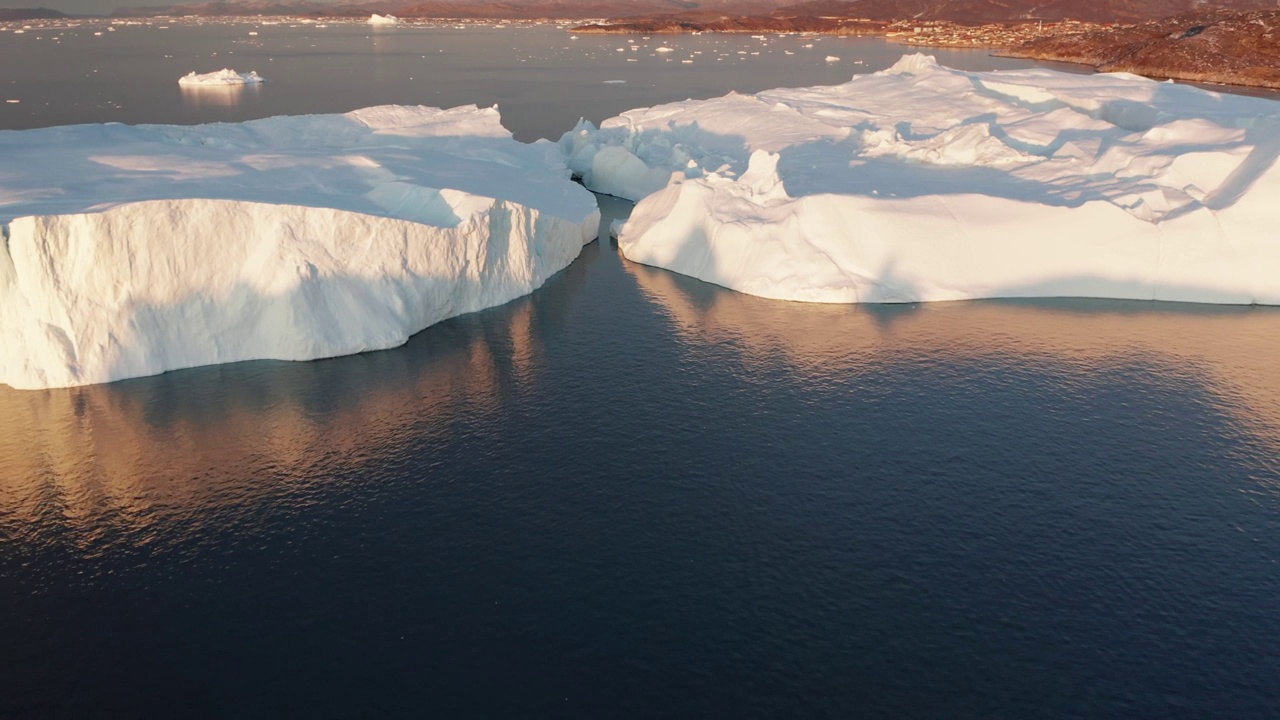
(219, 96)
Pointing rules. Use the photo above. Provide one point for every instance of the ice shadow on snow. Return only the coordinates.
(847, 166)
(839, 167)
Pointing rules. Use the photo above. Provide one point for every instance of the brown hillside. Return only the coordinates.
(1239, 48)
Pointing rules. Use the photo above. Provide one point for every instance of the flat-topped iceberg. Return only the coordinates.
(926, 183)
(219, 78)
(130, 251)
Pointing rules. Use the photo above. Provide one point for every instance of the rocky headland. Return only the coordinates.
(1215, 46)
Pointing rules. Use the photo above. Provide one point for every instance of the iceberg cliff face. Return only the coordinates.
(286, 238)
(925, 183)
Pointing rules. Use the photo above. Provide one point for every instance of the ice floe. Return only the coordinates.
(132, 250)
(927, 183)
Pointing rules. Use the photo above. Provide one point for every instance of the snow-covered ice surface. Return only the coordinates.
(219, 78)
(132, 250)
(926, 183)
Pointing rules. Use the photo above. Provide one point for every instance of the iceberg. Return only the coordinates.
(376, 19)
(219, 78)
(133, 250)
(923, 183)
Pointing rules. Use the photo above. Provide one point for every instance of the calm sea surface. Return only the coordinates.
(632, 494)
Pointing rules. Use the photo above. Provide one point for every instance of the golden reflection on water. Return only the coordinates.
(187, 447)
(217, 96)
(1228, 350)
(154, 449)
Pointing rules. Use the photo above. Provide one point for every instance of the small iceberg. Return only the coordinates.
(220, 78)
(376, 19)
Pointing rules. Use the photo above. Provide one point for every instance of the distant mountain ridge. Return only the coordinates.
(475, 9)
(668, 11)
(993, 11)
(15, 14)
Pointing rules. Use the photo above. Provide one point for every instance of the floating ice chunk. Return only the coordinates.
(833, 59)
(664, 49)
(130, 251)
(376, 19)
(225, 76)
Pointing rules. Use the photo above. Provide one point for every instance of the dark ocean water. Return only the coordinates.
(637, 495)
(632, 494)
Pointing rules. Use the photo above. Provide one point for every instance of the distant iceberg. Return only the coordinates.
(376, 19)
(220, 78)
(926, 183)
(130, 251)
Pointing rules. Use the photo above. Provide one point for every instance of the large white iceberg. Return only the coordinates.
(376, 19)
(926, 183)
(130, 251)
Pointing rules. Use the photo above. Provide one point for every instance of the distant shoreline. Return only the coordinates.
(1221, 47)
(1237, 48)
